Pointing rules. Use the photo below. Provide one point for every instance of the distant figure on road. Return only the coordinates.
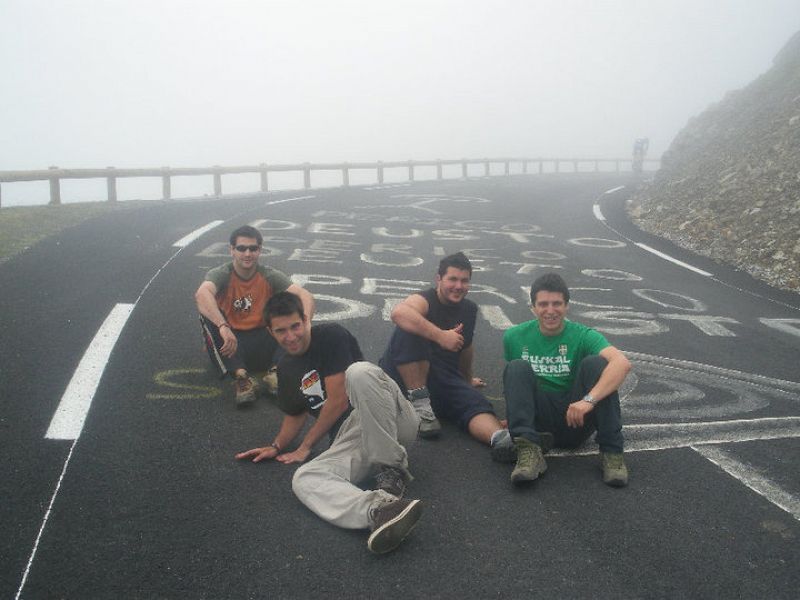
(231, 302)
(364, 413)
(561, 381)
(430, 355)
(639, 152)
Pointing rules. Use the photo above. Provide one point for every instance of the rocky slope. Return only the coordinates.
(729, 185)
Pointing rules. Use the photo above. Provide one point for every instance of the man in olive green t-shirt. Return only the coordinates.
(560, 383)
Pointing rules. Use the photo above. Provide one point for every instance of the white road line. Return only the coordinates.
(616, 189)
(750, 477)
(597, 213)
(188, 239)
(666, 436)
(67, 422)
(673, 260)
(271, 202)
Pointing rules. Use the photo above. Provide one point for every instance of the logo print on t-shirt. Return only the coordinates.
(243, 304)
(311, 387)
(562, 349)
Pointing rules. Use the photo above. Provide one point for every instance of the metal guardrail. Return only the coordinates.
(54, 174)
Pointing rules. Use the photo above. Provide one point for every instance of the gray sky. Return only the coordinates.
(93, 83)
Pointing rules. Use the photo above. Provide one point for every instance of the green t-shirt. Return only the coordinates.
(554, 359)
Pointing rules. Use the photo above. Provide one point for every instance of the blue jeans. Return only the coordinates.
(531, 409)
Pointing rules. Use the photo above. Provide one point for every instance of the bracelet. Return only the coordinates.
(224, 324)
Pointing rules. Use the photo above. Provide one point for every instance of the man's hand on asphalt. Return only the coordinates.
(259, 454)
(478, 382)
(298, 456)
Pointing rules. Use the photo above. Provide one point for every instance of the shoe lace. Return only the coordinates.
(243, 384)
(389, 478)
(525, 457)
(614, 461)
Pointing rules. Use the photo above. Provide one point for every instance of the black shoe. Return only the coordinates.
(391, 523)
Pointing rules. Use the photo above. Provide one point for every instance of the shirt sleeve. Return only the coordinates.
(595, 341)
(219, 276)
(277, 280)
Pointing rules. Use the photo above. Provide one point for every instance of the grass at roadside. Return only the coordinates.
(22, 226)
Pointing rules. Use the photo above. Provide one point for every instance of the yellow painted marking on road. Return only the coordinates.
(189, 391)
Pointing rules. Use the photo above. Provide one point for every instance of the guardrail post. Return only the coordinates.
(575, 166)
(617, 165)
(1, 196)
(55, 187)
(507, 168)
(486, 168)
(558, 166)
(217, 181)
(464, 168)
(111, 184)
(524, 167)
(411, 170)
(380, 171)
(439, 168)
(264, 182)
(166, 184)
(541, 166)
(306, 175)
(345, 176)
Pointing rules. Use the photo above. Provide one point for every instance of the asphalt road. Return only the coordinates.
(143, 498)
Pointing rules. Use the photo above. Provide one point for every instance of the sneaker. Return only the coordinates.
(530, 461)
(615, 473)
(392, 480)
(429, 426)
(271, 382)
(503, 449)
(391, 523)
(245, 390)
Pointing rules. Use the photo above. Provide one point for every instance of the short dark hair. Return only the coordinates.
(458, 261)
(549, 282)
(248, 232)
(283, 304)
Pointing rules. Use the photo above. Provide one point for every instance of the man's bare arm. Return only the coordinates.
(309, 306)
(410, 315)
(290, 427)
(206, 298)
(336, 403)
(610, 380)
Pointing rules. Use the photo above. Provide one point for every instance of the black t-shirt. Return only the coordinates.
(301, 379)
(447, 316)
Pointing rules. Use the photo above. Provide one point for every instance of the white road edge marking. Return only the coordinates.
(67, 422)
(751, 478)
(616, 189)
(673, 260)
(272, 202)
(188, 239)
(597, 213)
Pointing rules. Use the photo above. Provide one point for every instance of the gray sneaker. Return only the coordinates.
(615, 473)
(391, 480)
(391, 523)
(530, 461)
(245, 390)
(503, 449)
(429, 426)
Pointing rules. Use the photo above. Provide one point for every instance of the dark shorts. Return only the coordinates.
(452, 397)
(257, 349)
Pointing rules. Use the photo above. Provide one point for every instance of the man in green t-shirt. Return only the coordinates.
(560, 383)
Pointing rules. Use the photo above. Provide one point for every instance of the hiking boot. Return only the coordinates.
(391, 523)
(271, 382)
(245, 390)
(392, 480)
(615, 473)
(530, 462)
(503, 449)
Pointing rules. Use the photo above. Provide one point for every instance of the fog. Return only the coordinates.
(150, 83)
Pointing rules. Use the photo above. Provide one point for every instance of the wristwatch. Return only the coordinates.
(590, 399)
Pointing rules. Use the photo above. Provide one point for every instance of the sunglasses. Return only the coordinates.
(253, 248)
